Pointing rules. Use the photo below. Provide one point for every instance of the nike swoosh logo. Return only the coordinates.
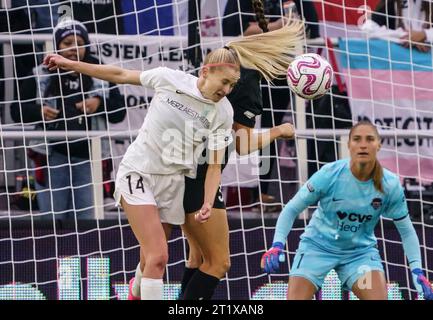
(333, 199)
(179, 92)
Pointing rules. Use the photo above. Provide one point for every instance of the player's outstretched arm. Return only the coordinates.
(412, 250)
(104, 72)
(247, 141)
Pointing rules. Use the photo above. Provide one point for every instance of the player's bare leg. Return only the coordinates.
(371, 286)
(212, 240)
(192, 264)
(136, 280)
(300, 288)
(195, 255)
(146, 225)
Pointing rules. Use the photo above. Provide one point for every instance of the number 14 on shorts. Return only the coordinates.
(138, 186)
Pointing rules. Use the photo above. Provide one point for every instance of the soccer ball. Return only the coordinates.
(309, 76)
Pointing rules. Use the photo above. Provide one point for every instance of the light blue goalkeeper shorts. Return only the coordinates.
(314, 263)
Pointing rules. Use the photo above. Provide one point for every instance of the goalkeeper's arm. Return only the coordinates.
(410, 241)
(285, 221)
(413, 253)
(309, 194)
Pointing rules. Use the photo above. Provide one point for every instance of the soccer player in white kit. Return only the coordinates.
(185, 114)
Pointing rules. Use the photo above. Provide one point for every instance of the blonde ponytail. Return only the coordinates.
(270, 53)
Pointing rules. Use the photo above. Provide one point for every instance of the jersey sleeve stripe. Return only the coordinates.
(398, 219)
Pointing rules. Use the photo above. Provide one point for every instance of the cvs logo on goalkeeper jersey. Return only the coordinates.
(351, 221)
(354, 217)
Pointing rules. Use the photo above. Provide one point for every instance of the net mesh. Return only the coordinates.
(87, 250)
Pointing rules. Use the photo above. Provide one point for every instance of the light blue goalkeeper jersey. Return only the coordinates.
(348, 209)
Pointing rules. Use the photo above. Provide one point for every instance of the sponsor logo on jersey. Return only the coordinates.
(341, 215)
(249, 114)
(376, 203)
(190, 112)
(354, 217)
(351, 222)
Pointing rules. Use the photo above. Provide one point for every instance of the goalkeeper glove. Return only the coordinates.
(271, 258)
(421, 284)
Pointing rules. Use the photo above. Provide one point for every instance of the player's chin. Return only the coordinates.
(363, 160)
(217, 97)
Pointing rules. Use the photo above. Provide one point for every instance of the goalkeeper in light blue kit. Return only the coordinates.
(352, 194)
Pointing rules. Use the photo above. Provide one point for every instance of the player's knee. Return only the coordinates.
(219, 267)
(300, 288)
(225, 265)
(194, 260)
(157, 260)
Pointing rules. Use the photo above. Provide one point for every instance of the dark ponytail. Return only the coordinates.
(260, 15)
(378, 170)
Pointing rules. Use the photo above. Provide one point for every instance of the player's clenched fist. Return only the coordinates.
(55, 61)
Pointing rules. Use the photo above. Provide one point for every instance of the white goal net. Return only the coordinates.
(86, 249)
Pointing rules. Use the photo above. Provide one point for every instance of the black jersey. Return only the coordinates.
(246, 98)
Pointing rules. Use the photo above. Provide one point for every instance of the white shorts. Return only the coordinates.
(163, 191)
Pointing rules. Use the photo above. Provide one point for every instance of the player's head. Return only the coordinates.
(219, 74)
(71, 39)
(364, 143)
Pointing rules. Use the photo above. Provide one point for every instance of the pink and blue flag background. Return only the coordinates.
(393, 87)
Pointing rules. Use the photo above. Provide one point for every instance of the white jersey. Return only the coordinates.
(178, 125)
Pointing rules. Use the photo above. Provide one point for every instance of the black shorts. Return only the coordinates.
(194, 196)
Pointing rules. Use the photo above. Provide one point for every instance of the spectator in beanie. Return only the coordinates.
(62, 100)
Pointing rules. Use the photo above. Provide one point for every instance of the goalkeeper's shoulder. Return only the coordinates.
(391, 182)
